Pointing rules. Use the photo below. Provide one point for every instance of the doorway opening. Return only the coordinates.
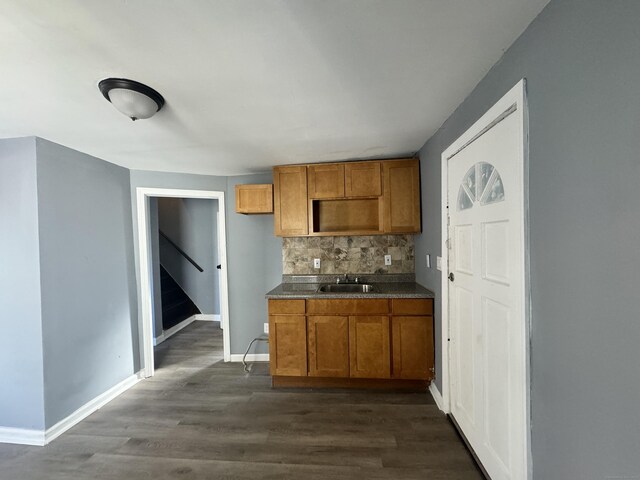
(485, 285)
(168, 221)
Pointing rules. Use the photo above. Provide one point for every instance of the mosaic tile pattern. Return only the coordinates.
(361, 254)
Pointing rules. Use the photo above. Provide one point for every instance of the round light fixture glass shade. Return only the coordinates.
(134, 105)
(134, 99)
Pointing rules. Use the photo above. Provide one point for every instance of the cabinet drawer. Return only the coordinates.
(347, 306)
(286, 307)
(412, 306)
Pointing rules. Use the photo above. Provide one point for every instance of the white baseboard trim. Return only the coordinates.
(252, 357)
(207, 317)
(22, 436)
(88, 408)
(173, 330)
(42, 437)
(435, 393)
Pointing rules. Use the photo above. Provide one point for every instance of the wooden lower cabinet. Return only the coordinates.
(370, 343)
(328, 346)
(369, 347)
(412, 347)
(288, 345)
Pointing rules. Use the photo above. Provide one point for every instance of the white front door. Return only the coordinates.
(486, 316)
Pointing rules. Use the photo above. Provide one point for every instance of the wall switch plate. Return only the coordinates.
(439, 263)
(316, 263)
(387, 259)
(266, 328)
(428, 261)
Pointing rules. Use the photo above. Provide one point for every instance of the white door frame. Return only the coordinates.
(144, 252)
(515, 98)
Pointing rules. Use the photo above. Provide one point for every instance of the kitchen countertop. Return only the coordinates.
(302, 288)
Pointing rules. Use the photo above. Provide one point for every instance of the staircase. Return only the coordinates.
(176, 304)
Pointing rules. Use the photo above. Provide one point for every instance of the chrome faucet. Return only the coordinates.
(345, 279)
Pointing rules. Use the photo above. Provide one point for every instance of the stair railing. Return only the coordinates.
(180, 251)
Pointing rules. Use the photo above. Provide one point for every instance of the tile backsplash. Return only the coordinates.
(361, 254)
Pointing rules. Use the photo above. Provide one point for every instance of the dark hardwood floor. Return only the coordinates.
(199, 418)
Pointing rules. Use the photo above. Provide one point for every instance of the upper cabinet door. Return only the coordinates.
(362, 179)
(326, 181)
(290, 201)
(401, 196)
(254, 198)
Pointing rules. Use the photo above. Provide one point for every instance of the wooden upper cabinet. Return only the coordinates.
(369, 352)
(347, 198)
(254, 199)
(401, 196)
(362, 179)
(288, 345)
(412, 339)
(290, 201)
(328, 345)
(326, 181)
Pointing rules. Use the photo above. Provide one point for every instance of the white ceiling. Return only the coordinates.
(248, 83)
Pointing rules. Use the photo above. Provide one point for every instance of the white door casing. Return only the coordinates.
(485, 354)
(144, 264)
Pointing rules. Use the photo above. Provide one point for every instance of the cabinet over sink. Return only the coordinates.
(371, 197)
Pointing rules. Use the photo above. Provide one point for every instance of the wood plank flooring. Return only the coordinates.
(199, 418)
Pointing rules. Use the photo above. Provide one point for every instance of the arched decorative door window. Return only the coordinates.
(482, 183)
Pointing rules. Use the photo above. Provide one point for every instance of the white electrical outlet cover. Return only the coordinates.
(387, 259)
(266, 328)
(316, 263)
(439, 263)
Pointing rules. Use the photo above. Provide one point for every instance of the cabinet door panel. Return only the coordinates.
(401, 196)
(412, 347)
(326, 181)
(254, 198)
(363, 179)
(369, 347)
(288, 345)
(328, 342)
(290, 201)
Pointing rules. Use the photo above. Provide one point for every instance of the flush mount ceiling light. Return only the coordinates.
(134, 99)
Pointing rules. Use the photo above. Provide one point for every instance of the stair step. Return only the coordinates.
(176, 304)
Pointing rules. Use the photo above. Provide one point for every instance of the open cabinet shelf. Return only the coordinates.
(335, 216)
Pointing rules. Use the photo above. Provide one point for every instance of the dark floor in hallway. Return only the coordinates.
(199, 418)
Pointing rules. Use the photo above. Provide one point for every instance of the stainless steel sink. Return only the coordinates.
(346, 288)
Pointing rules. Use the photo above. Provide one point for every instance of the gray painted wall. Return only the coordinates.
(192, 224)
(254, 255)
(154, 240)
(21, 370)
(255, 267)
(89, 298)
(580, 59)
